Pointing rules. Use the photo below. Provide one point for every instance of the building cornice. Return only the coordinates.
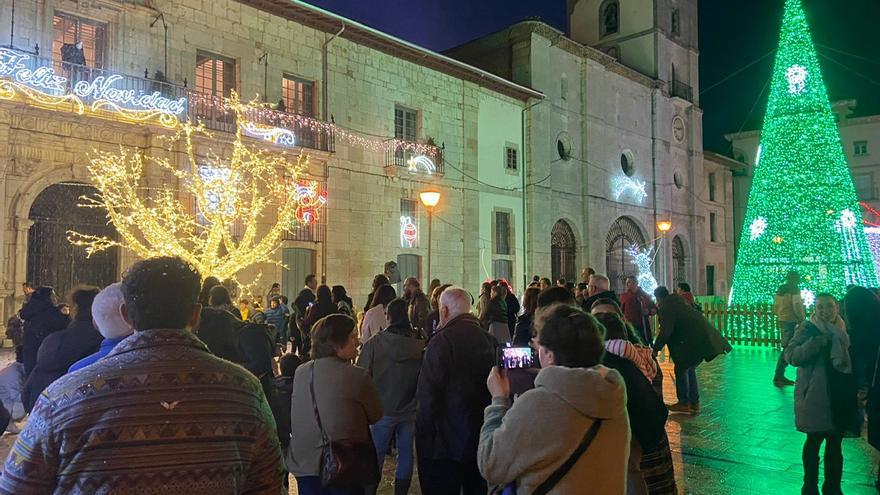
(726, 161)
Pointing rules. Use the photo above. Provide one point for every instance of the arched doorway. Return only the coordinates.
(679, 262)
(563, 251)
(51, 258)
(623, 234)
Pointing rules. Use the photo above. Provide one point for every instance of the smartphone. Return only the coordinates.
(582, 286)
(514, 358)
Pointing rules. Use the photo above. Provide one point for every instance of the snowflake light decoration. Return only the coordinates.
(757, 228)
(808, 297)
(796, 75)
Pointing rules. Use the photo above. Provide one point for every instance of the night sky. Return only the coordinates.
(733, 35)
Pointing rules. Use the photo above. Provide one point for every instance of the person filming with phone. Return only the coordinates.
(571, 431)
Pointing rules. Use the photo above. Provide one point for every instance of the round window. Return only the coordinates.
(563, 145)
(677, 179)
(628, 163)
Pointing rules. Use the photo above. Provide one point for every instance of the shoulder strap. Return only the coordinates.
(315, 405)
(876, 366)
(566, 466)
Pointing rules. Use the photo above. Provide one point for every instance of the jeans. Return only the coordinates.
(311, 485)
(686, 385)
(833, 463)
(403, 429)
(786, 332)
(446, 477)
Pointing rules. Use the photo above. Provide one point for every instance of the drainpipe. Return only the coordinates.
(654, 162)
(325, 71)
(526, 153)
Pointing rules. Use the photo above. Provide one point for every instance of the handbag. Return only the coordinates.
(562, 470)
(345, 464)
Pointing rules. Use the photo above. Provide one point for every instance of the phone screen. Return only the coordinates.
(517, 358)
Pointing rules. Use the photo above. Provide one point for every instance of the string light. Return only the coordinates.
(422, 161)
(241, 189)
(409, 233)
(622, 185)
(802, 208)
(643, 258)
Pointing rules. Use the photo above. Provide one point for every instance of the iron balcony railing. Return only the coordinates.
(92, 85)
(683, 91)
(420, 158)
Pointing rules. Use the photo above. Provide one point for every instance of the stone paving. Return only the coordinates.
(744, 441)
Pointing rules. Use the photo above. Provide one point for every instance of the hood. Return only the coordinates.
(401, 348)
(597, 392)
(36, 306)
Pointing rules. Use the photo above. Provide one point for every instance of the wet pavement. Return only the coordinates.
(744, 441)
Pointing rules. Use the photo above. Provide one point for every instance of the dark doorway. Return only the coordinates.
(563, 252)
(51, 258)
(622, 236)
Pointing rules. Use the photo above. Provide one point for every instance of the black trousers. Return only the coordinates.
(833, 463)
(445, 477)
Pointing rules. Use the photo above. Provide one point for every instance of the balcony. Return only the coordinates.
(682, 90)
(416, 158)
(47, 83)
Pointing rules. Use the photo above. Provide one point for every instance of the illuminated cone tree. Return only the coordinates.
(244, 202)
(803, 212)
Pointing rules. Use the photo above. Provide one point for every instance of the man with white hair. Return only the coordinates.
(451, 399)
(598, 289)
(107, 315)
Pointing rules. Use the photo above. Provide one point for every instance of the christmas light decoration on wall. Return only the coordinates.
(802, 207)
(409, 233)
(275, 135)
(420, 161)
(240, 188)
(623, 186)
(309, 201)
(873, 236)
(643, 259)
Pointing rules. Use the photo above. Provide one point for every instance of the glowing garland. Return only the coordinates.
(421, 161)
(622, 185)
(275, 135)
(239, 189)
(802, 206)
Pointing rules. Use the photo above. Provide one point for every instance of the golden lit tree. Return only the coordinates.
(251, 192)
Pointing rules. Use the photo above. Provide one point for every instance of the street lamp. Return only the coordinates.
(430, 199)
(664, 226)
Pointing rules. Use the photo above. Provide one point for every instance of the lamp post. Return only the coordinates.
(664, 226)
(430, 200)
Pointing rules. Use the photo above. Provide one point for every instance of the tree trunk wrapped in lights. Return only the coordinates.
(253, 189)
(803, 213)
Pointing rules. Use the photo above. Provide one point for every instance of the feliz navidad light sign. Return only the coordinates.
(24, 74)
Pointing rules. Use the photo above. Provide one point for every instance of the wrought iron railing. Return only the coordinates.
(415, 157)
(682, 90)
(64, 85)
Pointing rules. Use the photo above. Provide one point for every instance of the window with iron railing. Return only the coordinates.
(502, 232)
(215, 79)
(298, 95)
(70, 30)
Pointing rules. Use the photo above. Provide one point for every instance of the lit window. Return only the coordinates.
(215, 75)
(405, 123)
(298, 95)
(68, 30)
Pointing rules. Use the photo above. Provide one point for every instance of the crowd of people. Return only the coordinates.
(167, 382)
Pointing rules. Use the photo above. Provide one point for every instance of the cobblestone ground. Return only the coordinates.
(743, 442)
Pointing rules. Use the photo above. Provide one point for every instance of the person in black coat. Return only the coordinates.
(512, 308)
(41, 318)
(451, 398)
(598, 288)
(255, 345)
(218, 329)
(525, 324)
(61, 349)
(861, 308)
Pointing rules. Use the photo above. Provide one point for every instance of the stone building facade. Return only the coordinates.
(616, 146)
(360, 103)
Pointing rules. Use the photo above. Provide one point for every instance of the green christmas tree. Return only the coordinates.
(803, 213)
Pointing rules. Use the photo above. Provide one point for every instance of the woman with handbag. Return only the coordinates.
(334, 402)
(569, 432)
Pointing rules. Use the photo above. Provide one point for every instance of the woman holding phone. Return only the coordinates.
(584, 440)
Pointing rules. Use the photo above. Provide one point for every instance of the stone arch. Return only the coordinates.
(679, 261)
(563, 251)
(51, 259)
(622, 235)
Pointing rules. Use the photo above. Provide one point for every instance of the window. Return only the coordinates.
(502, 269)
(68, 30)
(712, 186)
(710, 280)
(609, 17)
(713, 228)
(628, 163)
(511, 158)
(298, 95)
(502, 232)
(405, 123)
(409, 223)
(860, 148)
(215, 75)
(864, 186)
(676, 22)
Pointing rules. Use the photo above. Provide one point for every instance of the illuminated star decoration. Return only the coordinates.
(643, 258)
(240, 189)
(408, 232)
(276, 135)
(422, 161)
(808, 297)
(626, 186)
(757, 228)
(309, 201)
(796, 75)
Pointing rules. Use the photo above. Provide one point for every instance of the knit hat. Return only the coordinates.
(107, 312)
